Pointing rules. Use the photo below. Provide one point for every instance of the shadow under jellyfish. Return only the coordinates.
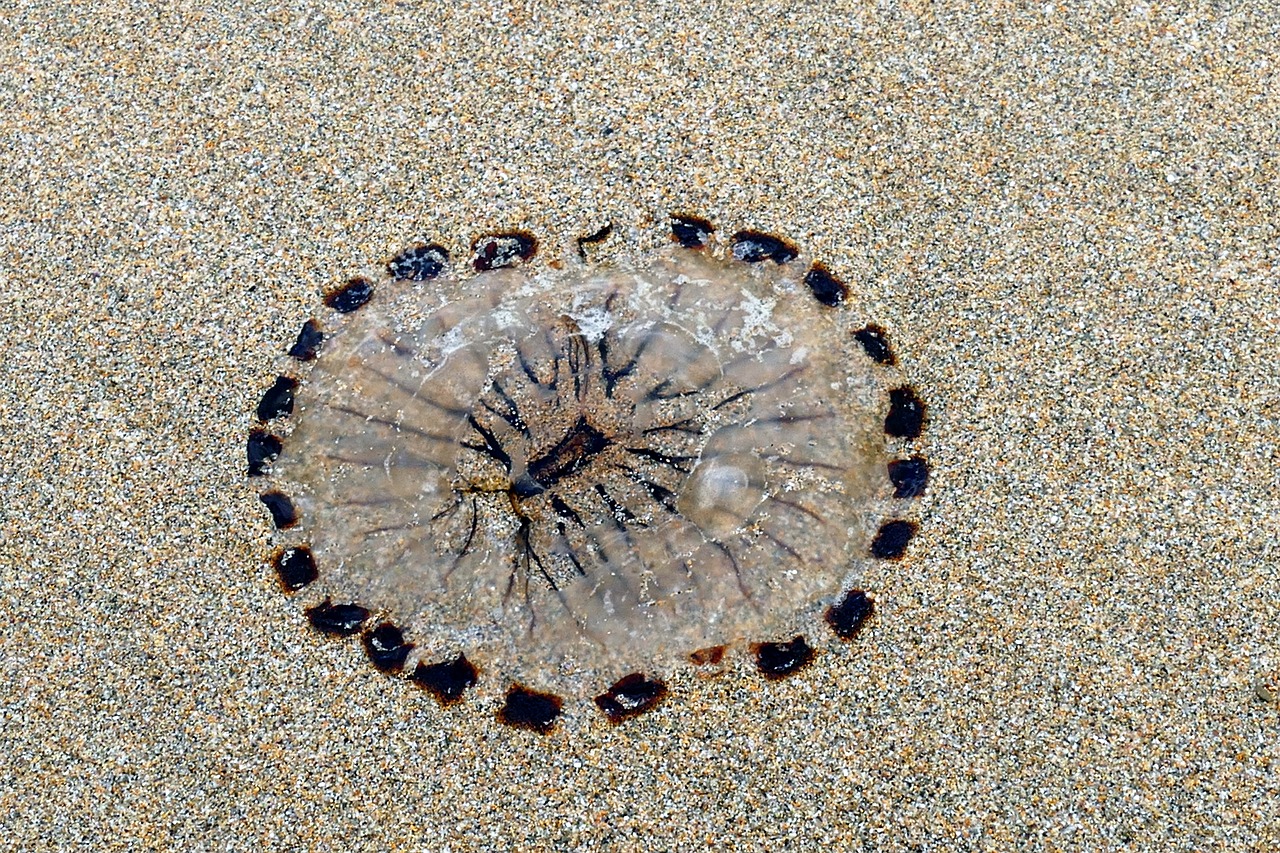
(539, 485)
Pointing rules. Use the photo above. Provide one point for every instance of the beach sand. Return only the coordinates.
(1067, 219)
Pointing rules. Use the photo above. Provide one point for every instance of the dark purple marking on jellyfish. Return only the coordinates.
(355, 294)
(710, 656)
(280, 505)
(422, 262)
(875, 341)
(278, 399)
(631, 695)
(598, 236)
(909, 476)
(847, 617)
(755, 246)
(386, 647)
(825, 287)
(310, 337)
(778, 660)
(529, 709)
(891, 539)
(691, 232)
(906, 413)
(295, 567)
(447, 680)
(338, 620)
(507, 249)
(261, 449)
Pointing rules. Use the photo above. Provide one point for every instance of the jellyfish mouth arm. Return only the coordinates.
(570, 455)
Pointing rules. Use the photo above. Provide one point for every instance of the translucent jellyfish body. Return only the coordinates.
(536, 484)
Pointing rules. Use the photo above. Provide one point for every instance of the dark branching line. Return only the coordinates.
(612, 375)
(659, 392)
(684, 425)
(758, 388)
(569, 549)
(378, 501)
(797, 507)
(783, 545)
(529, 371)
(512, 413)
(392, 425)
(466, 545)
(412, 392)
(526, 550)
(618, 514)
(563, 510)
(370, 532)
(780, 420)
(491, 447)
(737, 573)
(451, 508)
(806, 463)
(660, 494)
(523, 563)
(662, 458)
(579, 359)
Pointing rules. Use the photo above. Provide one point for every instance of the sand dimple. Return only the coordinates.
(569, 476)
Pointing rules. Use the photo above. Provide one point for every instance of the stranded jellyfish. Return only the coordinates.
(539, 485)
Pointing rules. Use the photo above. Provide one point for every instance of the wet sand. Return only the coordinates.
(1067, 220)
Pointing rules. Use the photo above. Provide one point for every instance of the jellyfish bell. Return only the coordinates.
(563, 477)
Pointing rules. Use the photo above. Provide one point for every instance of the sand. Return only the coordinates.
(1067, 219)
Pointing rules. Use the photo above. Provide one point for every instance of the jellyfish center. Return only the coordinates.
(573, 430)
(569, 456)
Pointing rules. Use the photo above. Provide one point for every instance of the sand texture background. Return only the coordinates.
(1066, 215)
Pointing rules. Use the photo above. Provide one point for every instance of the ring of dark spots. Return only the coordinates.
(847, 617)
(386, 647)
(280, 505)
(496, 251)
(778, 660)
(296, 567)
(418, 263)
(691, 232)
(278, 400)
(338, 620)
(261, 449)
(354, 294)
(446, 680)
(825, 287)
(875, 341)
(891, 539)
(598, 236)
(755, 246)
(528, 709)
(310, 337)
(631, 695)
(906, 413)
(909, 476)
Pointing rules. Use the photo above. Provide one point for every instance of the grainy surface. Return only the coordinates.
(1066, 218)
